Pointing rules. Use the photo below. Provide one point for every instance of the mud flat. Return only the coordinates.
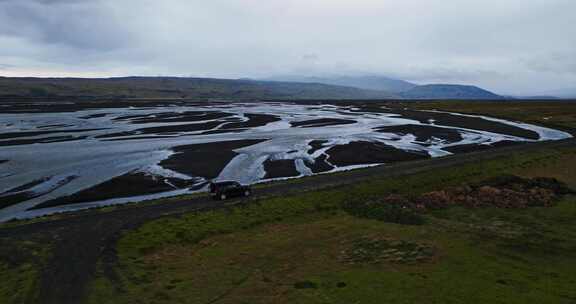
(472, 148)
(280, 168)
(425, 133)
(188, 116)
(206, 160)
(473, 123)
(359, 153)
(254, 120)
(322, 122)
(320, 164)
(131, 184)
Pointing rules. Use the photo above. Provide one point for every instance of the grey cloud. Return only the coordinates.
(449, 74)
(560, 63)
(89, 25)
(6, 66)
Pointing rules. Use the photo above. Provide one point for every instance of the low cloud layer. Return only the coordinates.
(90, 25)
(510, 46)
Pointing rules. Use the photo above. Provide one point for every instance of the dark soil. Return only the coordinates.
(180, 128)
(174, 117)
(14, 198)
(223, 131)
(13, 135)
(100, 115)
(423, 132)
(26, 186)
(131, 184)
(54, 126)
(137, 138)
(322, 122)
(55, 139)
(131, 117)
(20, 193)
(316, 145)
(254, 120)
(468, 123)
(320, 165)
(475, 147)
(280, 168)
(361, 152)
(118, 134)
(166, 129)
(205, 160)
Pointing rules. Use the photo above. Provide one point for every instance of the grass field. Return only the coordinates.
(287, 250)
(20, 265)
(297, 261)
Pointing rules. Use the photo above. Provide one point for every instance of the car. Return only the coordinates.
(226, 189)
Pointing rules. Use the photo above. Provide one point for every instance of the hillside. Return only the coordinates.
(379, 83)
(449, 91)
(174, 87)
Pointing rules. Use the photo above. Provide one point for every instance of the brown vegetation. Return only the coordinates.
(502, 192)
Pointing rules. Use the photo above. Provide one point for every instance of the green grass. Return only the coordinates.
(265, 263)
(256, 253)
(20, 264)
(19, 284)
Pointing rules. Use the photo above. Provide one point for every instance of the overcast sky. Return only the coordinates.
(509, 46)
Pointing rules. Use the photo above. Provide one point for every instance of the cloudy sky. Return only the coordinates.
(510, 46)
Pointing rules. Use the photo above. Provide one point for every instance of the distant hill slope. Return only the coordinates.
(379, 83)
(449, 91)
(563, 93)
(174, 87)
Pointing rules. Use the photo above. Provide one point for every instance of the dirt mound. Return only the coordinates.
(510, 192)
(501, 192)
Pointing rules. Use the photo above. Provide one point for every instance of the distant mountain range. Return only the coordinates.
(562, 93)
(404, 89)
(379, 83)
(449, 91)
(290, 87)
(175, 87)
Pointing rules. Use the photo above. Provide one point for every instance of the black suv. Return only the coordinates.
(227, 189)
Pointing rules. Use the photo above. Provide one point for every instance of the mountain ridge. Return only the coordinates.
(202, 88)
(179, 87)
(450, 91)
(368, 82)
